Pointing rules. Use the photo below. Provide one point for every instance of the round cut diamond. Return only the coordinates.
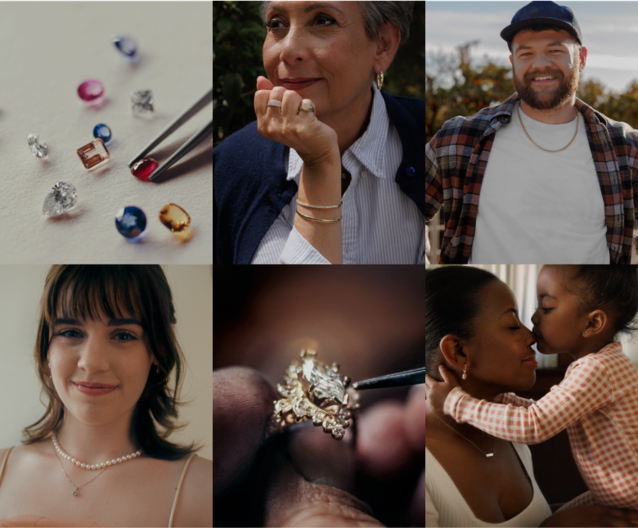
(327, 382)
(338, 431)
(39, 150)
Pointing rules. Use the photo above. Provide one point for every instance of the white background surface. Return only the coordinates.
(192, 288)
(47, 49)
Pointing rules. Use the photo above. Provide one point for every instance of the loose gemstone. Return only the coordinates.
(142, 101)
(94, 153)
(126, 45)
(90, 90)
(174, 217)
(39, 150)
(103, 132)
(327, 382)
(130, 221)
(62, 199)
(144, 168)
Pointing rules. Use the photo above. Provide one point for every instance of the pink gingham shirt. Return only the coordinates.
(597, 403)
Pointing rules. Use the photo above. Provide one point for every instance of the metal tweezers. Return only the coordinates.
(399, 379)
(195, 140)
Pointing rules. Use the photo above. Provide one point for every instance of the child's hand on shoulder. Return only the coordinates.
(436, 391)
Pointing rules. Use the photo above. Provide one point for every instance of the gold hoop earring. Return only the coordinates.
(464, 372)
(379, 80)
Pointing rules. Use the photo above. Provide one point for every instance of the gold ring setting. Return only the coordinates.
(315, 391)
(306, 106)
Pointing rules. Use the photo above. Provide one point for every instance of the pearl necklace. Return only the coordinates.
(103, 465)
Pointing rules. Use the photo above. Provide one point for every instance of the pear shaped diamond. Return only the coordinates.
(61, 200)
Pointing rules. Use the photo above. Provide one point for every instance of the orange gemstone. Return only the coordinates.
(174, 217)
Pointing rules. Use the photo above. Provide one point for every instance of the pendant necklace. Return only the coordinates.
(488, 455)
(104, 465)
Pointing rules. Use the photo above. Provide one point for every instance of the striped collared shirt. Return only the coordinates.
(456, 158)
(597, 403)
(380, 223)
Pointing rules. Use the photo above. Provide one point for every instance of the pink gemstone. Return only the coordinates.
(144, 168)
(90, 90)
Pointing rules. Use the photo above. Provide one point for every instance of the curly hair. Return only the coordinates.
(112, 292)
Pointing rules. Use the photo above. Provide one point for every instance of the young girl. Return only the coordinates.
(580, 311)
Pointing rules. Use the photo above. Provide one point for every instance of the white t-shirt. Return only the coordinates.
(445, 506)
(536, 206)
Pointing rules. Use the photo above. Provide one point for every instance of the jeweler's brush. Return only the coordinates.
(399, 379)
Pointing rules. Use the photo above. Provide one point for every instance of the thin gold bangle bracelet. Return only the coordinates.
(318, 219)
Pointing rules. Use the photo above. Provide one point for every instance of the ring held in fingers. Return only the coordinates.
(314, 391)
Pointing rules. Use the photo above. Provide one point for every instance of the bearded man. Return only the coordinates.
(542, 178)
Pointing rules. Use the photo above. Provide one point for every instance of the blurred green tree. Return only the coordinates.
(238, 38)
(456, 87)
(239, 35)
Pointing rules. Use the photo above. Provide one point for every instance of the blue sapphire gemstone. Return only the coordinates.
(126, 45)
(130, 221)
(410, 172)
(103, 132)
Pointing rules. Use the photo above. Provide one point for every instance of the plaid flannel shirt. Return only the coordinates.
(456, 159)
(597, 403)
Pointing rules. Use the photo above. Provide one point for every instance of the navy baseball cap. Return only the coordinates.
(543, 12)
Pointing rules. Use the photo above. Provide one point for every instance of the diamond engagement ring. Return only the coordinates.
(314, 391)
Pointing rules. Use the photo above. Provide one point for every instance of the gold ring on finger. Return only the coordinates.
(306, 106)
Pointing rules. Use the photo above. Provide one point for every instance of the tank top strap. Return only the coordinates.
(179, 488)
(4, 462)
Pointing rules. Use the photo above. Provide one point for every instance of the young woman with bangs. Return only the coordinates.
(104, 353)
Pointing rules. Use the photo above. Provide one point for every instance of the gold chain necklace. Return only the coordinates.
(518, 108)
(488, 455)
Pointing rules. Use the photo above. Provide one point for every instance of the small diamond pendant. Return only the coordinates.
(75, 491)
(489, 455)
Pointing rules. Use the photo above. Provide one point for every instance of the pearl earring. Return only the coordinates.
(464, 372)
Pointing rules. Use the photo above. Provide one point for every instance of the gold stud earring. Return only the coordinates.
(464, 372)
(379, 80)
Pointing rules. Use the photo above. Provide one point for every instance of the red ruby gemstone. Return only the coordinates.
(144, 168)
(90, 90)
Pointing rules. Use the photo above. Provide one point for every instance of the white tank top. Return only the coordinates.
(445, 506)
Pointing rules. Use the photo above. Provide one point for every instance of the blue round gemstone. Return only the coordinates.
(126, 45)
(130, 221)
(410, 172)
(103, 132)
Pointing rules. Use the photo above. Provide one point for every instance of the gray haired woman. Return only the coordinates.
(332, 171)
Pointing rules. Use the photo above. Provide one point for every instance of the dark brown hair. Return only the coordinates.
(113, 292)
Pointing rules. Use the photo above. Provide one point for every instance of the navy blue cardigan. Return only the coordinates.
(250, 187)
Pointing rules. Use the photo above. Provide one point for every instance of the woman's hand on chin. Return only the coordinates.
(314, 141)
(583, 516)
(437, 391)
